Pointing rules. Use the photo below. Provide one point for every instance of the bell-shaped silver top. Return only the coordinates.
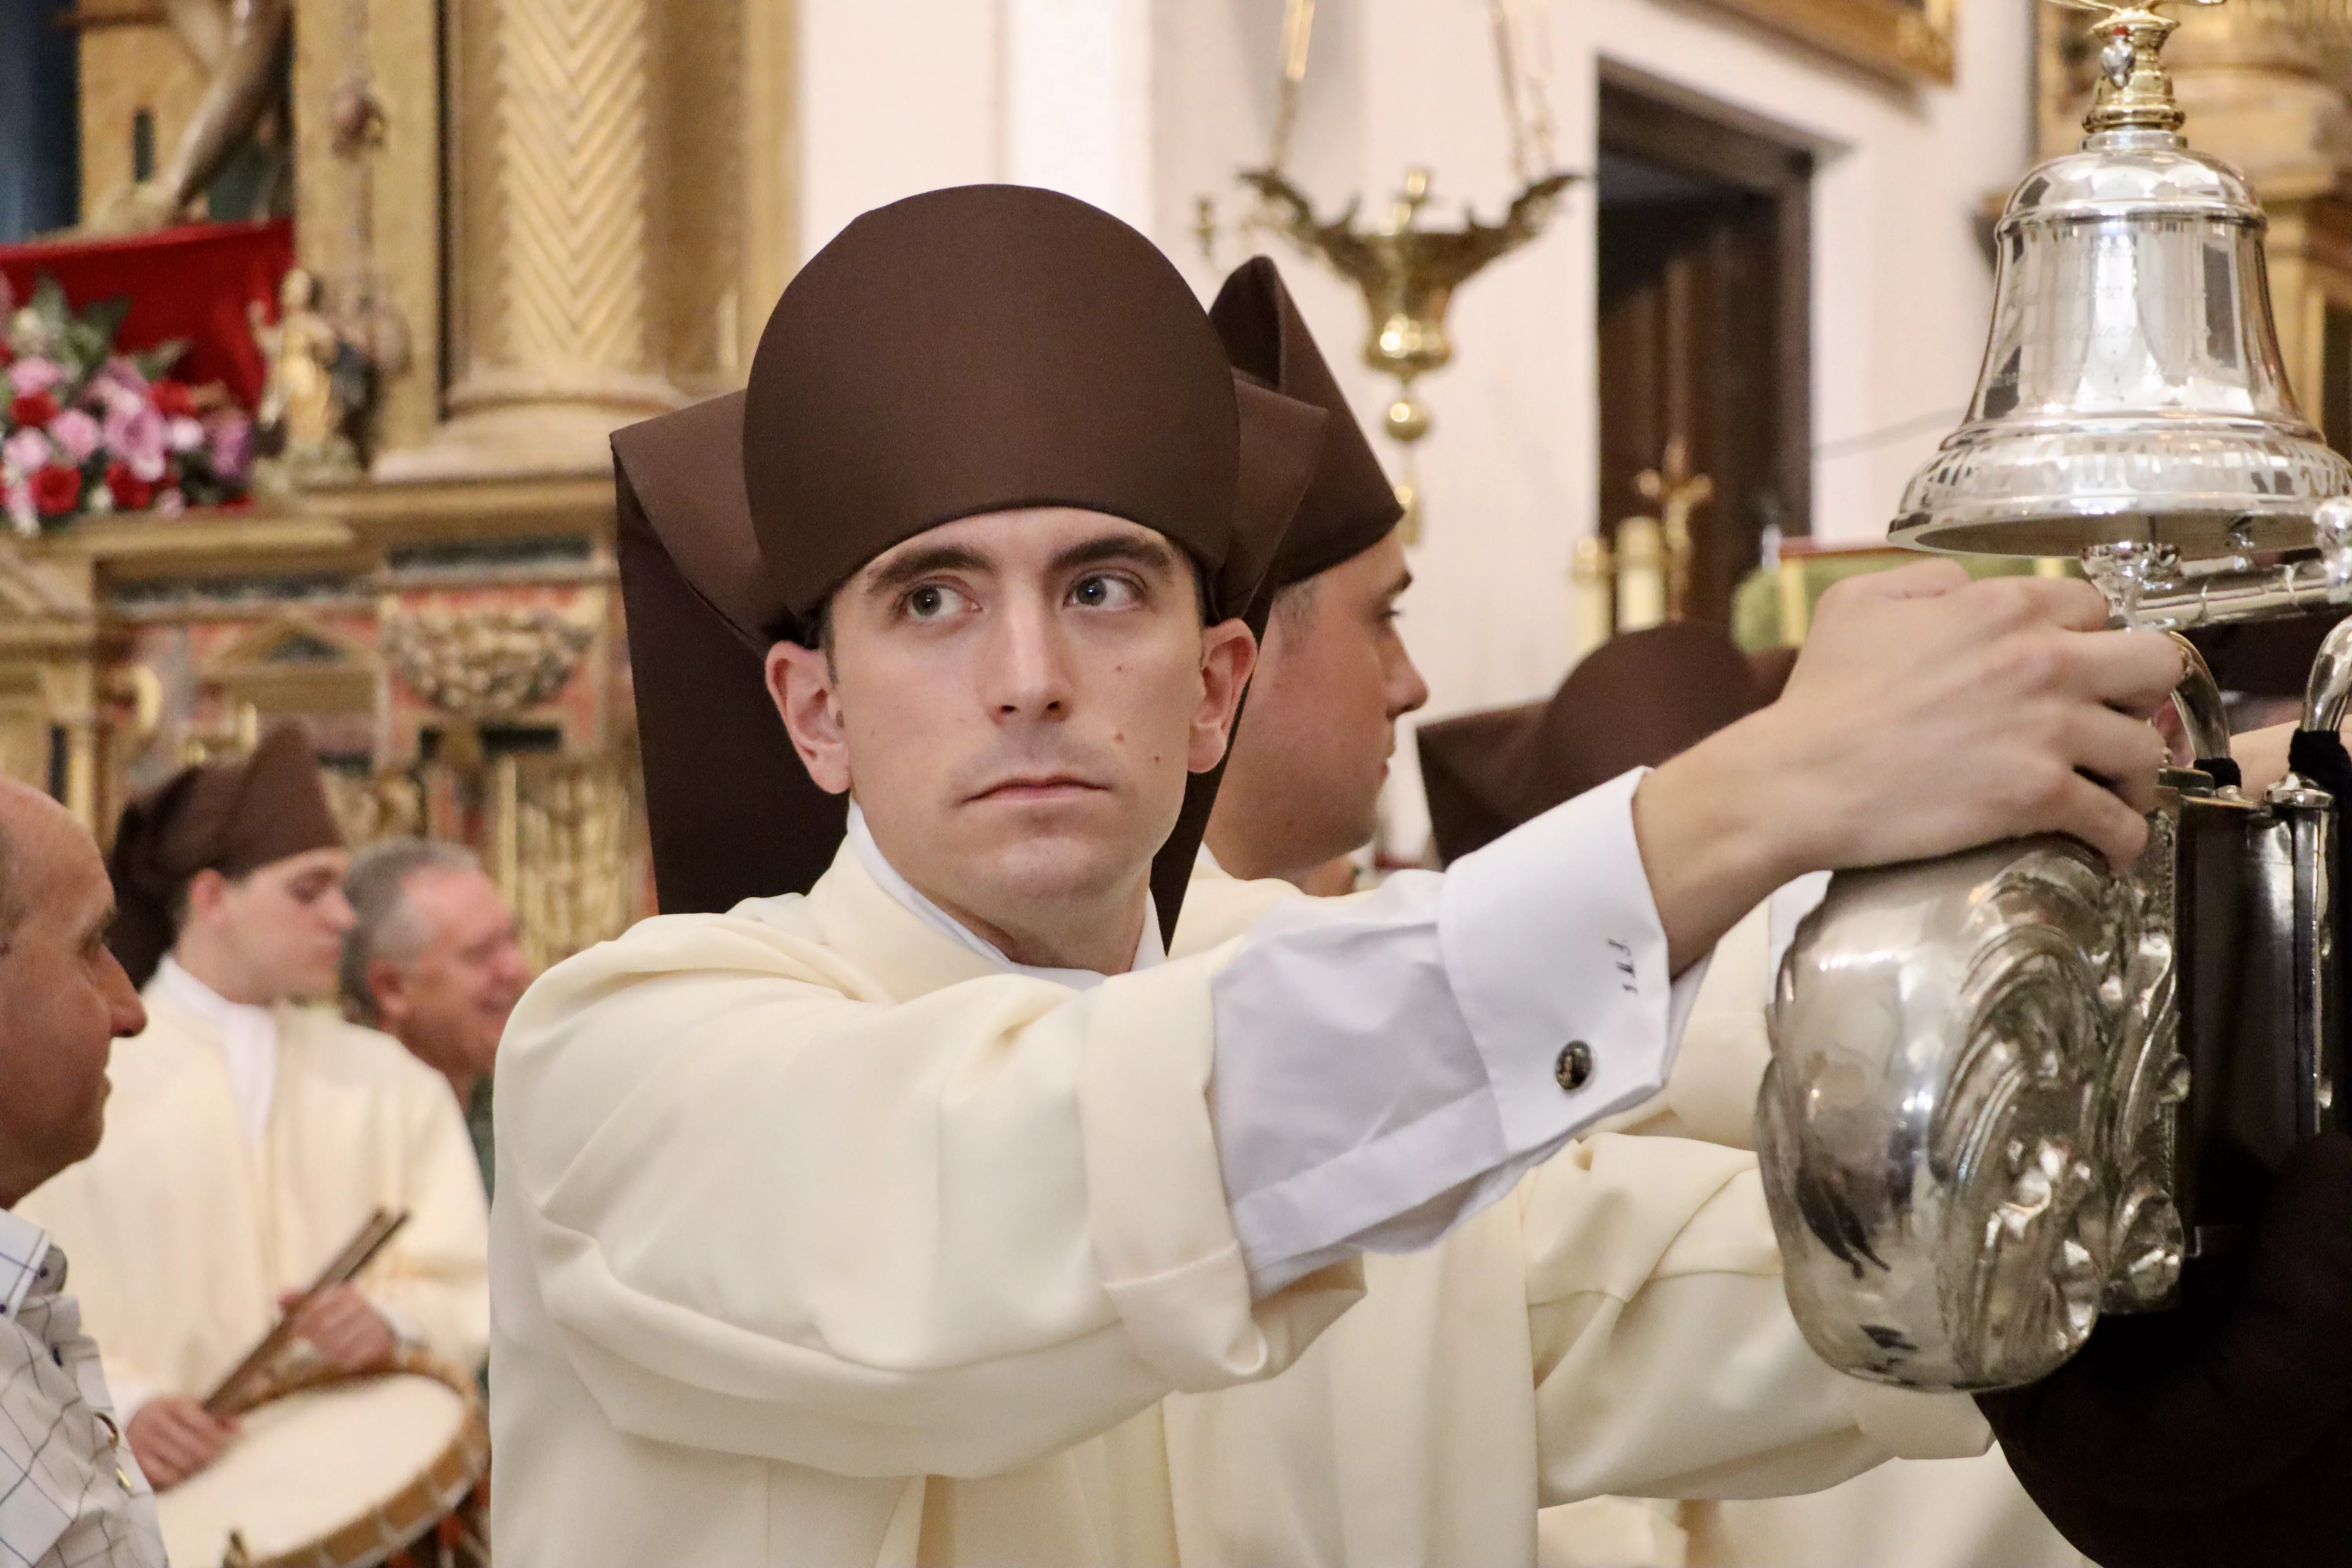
(2132, 389)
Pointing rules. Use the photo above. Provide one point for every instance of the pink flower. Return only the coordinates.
(76, 434)
(184, 433)
(119, 386)
(170, 503)
(25, 452)
(232, 446)
(122, 371)
(138, 437)
(18, 498)
(35, 374)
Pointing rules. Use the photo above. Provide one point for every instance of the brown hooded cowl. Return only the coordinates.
(1350, 506)
(232, 818)
(1634, 701)
(959, 352)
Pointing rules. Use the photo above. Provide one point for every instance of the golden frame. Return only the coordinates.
(1908, 40)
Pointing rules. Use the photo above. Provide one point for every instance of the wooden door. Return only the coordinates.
(1705, 328)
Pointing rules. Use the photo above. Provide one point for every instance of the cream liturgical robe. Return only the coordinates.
(1928, 1513)
(692, 1370)
(185, 1226)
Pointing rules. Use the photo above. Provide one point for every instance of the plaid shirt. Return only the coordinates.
(70, 1493)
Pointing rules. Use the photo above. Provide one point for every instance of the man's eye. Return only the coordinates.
(931, 602)
(1104, 592)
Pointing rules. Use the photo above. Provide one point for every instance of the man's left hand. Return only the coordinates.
(341, 1326)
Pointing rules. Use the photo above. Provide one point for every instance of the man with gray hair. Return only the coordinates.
(432, 961)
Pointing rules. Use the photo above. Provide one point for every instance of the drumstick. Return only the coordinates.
(356, 1254)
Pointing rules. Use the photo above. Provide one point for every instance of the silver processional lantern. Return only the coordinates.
(2012, 1090)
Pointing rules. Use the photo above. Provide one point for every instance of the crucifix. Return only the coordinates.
(1678, 492)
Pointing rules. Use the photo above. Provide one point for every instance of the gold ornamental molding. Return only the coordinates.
(485, 664)
(1908, 40)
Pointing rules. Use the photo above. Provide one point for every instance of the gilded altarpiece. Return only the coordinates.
(575, 214)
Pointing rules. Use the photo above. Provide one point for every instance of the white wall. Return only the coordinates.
(1142, 105)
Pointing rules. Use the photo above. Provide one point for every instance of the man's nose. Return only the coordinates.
(126, 1013)
(336, 910)
(1025, 668)
(1408, 693)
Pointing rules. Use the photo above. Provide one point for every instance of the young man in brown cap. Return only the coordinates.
(934, 1215)
(68, 1494)
(1302, 788)
(250, 1136)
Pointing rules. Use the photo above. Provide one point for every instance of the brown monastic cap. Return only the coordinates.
(1633, 702)
(1350, 506)
(232, 817)
(978, 350)
(733, 813)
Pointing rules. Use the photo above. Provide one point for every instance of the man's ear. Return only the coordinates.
(205, 890)
(1228, 654)
(388, 989)
(800, 683)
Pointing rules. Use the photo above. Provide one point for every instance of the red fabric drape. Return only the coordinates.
(193, 282)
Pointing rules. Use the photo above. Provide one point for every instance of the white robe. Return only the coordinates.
(1929, 1513)
(772, 1287)
(183, 1230)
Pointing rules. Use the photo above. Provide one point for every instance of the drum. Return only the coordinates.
(337, 1475)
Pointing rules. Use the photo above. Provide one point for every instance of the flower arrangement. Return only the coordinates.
(85, 430)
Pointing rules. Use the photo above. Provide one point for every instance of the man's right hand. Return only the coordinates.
(1928, 714)
(173, 1438)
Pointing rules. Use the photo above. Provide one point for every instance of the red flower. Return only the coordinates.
(171, 398)
(32, 411)
(131, 492)
(57, 489)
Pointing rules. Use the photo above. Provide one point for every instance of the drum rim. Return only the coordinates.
(370, 1538)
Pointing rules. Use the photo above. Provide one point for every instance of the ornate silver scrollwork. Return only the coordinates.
(1966, 1127)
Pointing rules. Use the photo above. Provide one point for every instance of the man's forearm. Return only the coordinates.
(1712, 843)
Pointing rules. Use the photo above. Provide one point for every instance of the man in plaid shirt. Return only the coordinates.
(70, 1492)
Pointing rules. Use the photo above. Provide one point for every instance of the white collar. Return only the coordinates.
(248, 1039)
(186, 991)
(1148, 950)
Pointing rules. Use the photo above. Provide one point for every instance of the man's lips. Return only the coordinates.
(1032, 787)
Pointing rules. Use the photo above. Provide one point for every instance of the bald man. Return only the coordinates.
(70, 1491)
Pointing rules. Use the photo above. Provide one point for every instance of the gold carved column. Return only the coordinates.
(553, 340)
(2268, 85)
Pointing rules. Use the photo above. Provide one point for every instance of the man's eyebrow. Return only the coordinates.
(1404, 581)
(102, 926)
(919, 564)
(1147, 550)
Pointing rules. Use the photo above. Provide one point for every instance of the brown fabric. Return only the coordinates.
(1350, 506)
(233, 819)
(976, 350)
(2266, 659)
(733, 813)
(2218, 1434)
(1633, 702)
(690, 466)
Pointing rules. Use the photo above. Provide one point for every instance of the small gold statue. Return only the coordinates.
(317, 382)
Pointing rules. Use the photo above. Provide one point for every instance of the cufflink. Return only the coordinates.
(1574, 1068)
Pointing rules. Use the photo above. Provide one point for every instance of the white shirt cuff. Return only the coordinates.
(1558, 962)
